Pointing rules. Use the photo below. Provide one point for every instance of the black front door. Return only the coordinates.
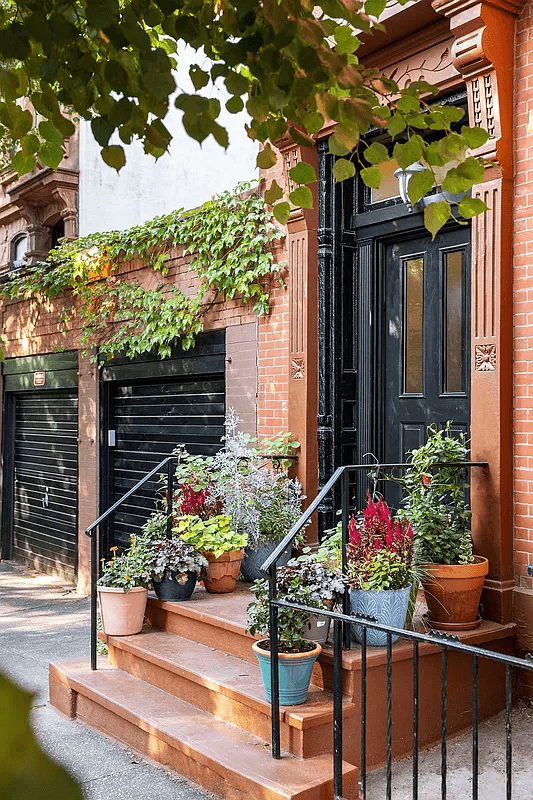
(394, 330)
(425, 339)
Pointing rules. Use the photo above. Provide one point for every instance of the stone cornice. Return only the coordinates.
(477, 32)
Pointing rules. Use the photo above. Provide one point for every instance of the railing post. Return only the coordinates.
(170, 493)
(346, 607)
(337, 710)
(94, 532)
(274, 674)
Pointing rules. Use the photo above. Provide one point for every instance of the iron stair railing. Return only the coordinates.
(92, 532)
(340, 620)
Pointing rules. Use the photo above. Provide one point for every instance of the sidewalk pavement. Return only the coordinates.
(42, 619)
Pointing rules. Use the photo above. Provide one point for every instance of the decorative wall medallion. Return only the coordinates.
(297, 369)
(485, 357)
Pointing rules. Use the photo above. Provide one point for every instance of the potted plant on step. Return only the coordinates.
(249, 481)
(222, 547)
(297, 654)
(380, 569)
(321, 571)
(123, 590)
(435, 502)
(173, 563)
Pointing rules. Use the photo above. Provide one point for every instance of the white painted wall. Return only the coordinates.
(184, 177)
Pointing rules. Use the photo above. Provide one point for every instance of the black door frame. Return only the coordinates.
(352, 241)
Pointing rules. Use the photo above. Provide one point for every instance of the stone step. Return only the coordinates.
(227, 687)
(216, 620)
(218, 756)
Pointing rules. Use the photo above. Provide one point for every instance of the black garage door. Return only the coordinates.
(149, 418)
(45, 471)
(148, 407)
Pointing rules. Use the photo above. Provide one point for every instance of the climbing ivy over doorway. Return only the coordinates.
(230, 241)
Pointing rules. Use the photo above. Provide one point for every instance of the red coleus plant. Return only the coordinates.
(380, 549)
(193, 502)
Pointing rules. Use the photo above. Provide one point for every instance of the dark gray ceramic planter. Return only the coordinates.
(254, 557)
(317, 629)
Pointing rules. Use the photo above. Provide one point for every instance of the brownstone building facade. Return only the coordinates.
(331, 363)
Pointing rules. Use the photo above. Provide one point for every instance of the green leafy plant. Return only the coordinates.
(214, 535)
(380, 549)
(230, 240)
(291, 621)
(435, 498)
(174, 555)
(128, 570)
(291, 66)
(244, 481)
(26, 772)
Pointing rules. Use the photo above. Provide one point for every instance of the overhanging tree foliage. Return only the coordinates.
(292, 63)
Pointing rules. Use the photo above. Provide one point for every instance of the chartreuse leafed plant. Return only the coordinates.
(291, 66)
(213, 535)
(230, 239)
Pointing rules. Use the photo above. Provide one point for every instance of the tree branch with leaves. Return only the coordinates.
(292, 64)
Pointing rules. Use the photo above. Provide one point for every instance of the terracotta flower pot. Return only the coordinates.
(122, 612)
(222, 572)
(453, 592)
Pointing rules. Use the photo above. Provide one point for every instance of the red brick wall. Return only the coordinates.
(273, 342)
(523, 301)
(31, 328)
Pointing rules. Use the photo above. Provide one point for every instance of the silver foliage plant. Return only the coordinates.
(257, 493)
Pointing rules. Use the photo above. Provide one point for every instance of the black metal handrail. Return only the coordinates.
(446, 642)
(91, 532)
(270, 567)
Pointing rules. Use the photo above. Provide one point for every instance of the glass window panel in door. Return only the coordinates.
(413, 325)
(454, 321)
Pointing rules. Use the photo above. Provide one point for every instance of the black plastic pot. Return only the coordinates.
(170, 589)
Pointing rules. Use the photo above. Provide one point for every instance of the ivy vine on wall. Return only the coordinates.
(230, 240)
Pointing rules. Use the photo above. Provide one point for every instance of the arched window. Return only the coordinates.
(20, 247)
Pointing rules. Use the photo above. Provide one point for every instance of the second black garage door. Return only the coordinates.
(146, 417)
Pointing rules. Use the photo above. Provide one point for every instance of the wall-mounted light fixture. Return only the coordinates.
(404, 176)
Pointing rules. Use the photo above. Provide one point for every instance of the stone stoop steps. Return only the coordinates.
(187, 693)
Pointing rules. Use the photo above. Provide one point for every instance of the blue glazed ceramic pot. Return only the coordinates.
(389, 607)
(294, 671)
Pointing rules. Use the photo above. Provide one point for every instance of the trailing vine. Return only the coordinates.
(230, 239)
